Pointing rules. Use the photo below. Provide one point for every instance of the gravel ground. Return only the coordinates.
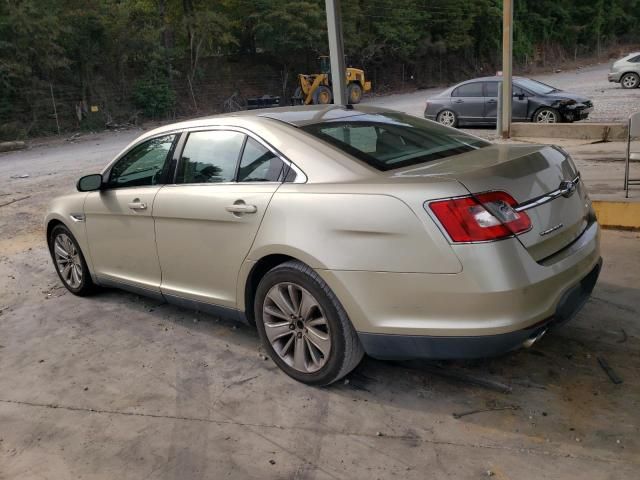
(612, 103)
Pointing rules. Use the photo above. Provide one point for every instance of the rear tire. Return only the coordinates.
(630, 80)
(303, 326)
(322, 96)
(354, 92)
(448, 118)
(69, 262)
(547, 115)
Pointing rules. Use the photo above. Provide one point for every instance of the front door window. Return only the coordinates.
(145, 165)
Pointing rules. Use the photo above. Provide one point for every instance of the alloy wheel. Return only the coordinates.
(630, 81)
(447, 118)
(546, 116)
(67, 260)
(296, 327)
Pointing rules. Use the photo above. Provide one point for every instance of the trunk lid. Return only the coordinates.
(528, 173)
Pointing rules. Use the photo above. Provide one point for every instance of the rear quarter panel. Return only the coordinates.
(334, 229)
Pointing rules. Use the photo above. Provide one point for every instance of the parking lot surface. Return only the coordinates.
(118, 386)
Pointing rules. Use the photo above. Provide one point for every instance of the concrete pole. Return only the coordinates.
(336, 51)
(507, 64)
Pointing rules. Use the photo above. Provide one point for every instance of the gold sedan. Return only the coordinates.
(338, 231)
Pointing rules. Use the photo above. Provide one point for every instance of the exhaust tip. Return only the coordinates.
(534, 338)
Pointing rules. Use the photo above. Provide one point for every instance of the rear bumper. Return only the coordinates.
(398, 347)
(500, 299)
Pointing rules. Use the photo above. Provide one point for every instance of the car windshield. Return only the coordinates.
(535, 86)
(393, 140)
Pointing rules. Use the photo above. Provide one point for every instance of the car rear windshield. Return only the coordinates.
(393, 140)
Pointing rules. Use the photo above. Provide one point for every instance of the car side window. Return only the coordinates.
(144, 165)
(259, 164)
(635, 59)
(468, 90)
(491, 89)
(210, 157)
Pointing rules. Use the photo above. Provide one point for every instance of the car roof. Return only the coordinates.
(295, 115)
(487, 79)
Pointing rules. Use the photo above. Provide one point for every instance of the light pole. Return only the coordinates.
(507, 66)
(336, 52)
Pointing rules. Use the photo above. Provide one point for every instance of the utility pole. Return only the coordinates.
(336, 52)
(55, 110)
(507, 66)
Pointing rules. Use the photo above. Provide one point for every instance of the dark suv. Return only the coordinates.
(475, 102)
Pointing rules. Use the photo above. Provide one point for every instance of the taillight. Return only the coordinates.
(480, 218)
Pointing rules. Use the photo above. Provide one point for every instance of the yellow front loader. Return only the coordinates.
(315, 88)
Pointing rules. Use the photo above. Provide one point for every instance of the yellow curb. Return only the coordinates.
(621, 215)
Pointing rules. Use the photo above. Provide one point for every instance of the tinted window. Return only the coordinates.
(258, 164)
(635, 59)
(210, 157)
(144, 165)
(468, 90)
(491, 89)
(519, 91)
(393, 140)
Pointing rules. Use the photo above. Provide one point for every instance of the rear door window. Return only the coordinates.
(210, 157)
(468, 90)
(491, 89)
(259, 164)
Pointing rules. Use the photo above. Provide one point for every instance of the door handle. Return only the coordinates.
(240, 207)
(137, 205)
(492, 101)
(458, 101)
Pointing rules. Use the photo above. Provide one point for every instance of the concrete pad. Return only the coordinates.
(579, 130)
(118, 386)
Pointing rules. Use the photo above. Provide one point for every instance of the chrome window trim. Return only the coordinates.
(301, 177)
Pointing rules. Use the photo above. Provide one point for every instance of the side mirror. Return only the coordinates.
(90, 183)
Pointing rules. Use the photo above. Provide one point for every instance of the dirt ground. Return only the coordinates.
(118, 386)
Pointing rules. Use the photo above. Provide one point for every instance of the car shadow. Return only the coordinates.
(557, 389)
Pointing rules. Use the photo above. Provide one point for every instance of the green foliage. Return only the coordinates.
(158, 55)
(154, 99)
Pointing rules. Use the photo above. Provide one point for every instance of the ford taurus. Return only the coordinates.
(338, 231)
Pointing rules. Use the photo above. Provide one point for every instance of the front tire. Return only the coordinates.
(546, 115)
(69, 262)
(322, 96)
(303, 326)
(448, 118)
(630, 80)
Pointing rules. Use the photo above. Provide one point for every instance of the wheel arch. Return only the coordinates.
(256, 273)
(51, 224)
(78, 231)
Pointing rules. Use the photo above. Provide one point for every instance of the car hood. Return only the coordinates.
(562, 95)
